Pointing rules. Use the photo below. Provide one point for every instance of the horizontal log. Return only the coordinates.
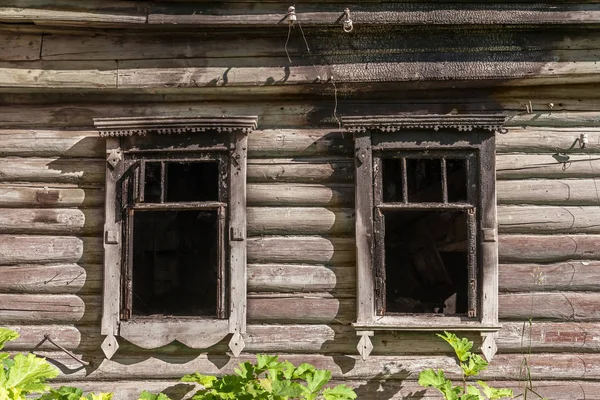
(504, 366)
(26, 249)
(53, 278)
(52, 170)
(298, 143)
(572, 275)
(561, 306)
(49, 308)
(549, 191)
(71, 337)
(75, 75)
(307, 170)
(298, 221)
(524, 166)
(552, 139)
(540, 248)
(36, 196)
(297, 194)
(307, 309)
(301, 278)
(549, 337)
(20, 47)
(51, 143)
(548, 219)
(59, 221)
(301, 249)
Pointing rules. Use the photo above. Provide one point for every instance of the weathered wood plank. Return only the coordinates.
(307, 309)
(505, 366)
(82, 338)
(549, 336)
(552, 139)
(562, 306)
(298, 221)
(540, 248)
(49, 308)
(523, 166)
(298, 143)
(62, 221)
(301, 249)
(52, 170)
(53, 278)
(549, 191)
(307, 170)
(300, 278)
(548, 219)
(20, 47)
(36, 196)
(25, 249)
(297, 194)
(572, 275)
(59, 74)
(66, 12)
(50, 143)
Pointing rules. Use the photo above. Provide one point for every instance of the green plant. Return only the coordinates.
(73, 393)
(471, 365)
(22, 374)
(268, 379)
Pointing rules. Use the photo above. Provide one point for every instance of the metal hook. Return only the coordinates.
(347, 21)
(291, 15)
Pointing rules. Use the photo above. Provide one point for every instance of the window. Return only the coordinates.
(175, 251)
(427, 256)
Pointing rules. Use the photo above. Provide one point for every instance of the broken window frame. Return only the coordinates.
(375, 136)
(133, 141)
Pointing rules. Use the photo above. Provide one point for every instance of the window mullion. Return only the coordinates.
(379, 237)
(444, 180)
(163, 181)
(404, 180)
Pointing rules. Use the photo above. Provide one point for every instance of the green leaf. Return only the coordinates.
(461, 347)
(493, 393)
(245, 370)
(304, 370)
(265, 362)
(6, 335)
(99, 396)
(316, 381)
(340, 392)
(473, 392)
(429, 378)
(63, 393)
(29, 374)
(474, 365)
(145, 395)
(206, 381)
(286, 389)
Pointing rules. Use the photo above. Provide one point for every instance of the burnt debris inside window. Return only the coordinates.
(174, 225)
(425, 233)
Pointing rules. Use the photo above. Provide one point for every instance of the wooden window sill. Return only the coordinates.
(425, 323)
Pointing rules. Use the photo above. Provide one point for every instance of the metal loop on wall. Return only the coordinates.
(347, 21)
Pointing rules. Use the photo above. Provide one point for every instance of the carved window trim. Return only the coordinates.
(375, 135)
(198, 135)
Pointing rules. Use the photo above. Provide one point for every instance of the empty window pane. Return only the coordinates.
(175, 264)
(152, 182)
(192, 181)
(392, 179)
(457, 180)
(426, 262)
(424, 180)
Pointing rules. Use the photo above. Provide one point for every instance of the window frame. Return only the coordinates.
(376, 135)
(135, 140)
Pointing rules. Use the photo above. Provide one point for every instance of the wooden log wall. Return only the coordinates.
(58, 75)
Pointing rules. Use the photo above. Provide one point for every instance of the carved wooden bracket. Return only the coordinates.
(128, 126)
(468, 122)
(365, 346)
(488, 346)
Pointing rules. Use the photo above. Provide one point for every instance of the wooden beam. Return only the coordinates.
(38, 196)
(548, 219)
(571, 192)
(51, 278)
(582, 275)
(58, 74)
(556, 165)
(299, 220)
(52, 143)
(301, 249)
(49, 308)
(57, 221)
(301, 278)
(297, 170)
(298, 194)
(25, 249)
(558, 306)
(548, 248)
(20, 47)
(52, 170)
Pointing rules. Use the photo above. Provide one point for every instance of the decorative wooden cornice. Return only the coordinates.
(466, 122)
(128, 126)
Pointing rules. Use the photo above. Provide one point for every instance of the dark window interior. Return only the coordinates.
(426, 264)
(184, 181)
(175, 263)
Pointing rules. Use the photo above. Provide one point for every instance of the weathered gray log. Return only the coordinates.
(548, 219)
(307, 309)
(301, 249)
(54, 196)
(52, 170)
(300, 278)
(50, 143)
(557, 165)
(20, 47)
(298, 142)
(551, 248)
(297, 194)
(76, 75)
(298, 221)
(308, 170)
(61, 221)
(549, 191)
(571, 275)
(25, 249)
(82, 338)
(553, 139)
(560, 306)
(49, 308)
(52, 278)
